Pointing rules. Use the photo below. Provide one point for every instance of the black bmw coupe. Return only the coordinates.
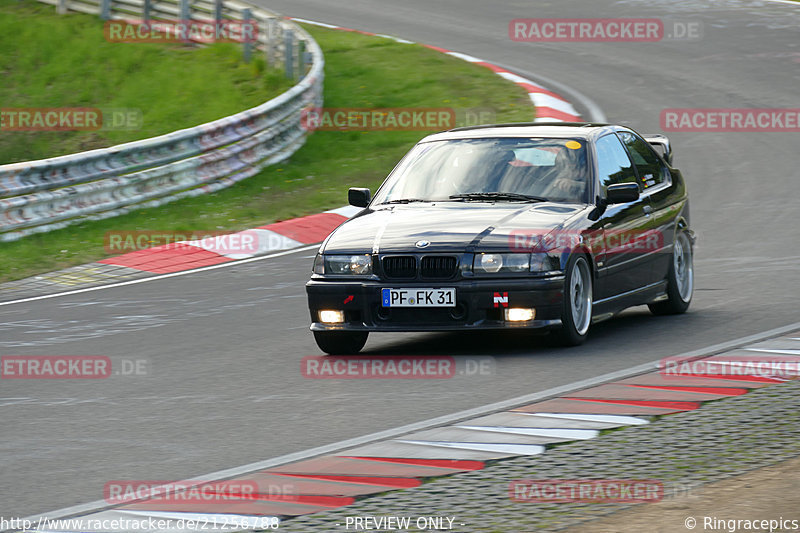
(542, 225)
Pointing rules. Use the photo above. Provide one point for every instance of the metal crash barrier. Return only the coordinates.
(48, 194)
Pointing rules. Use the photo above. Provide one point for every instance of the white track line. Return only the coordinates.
(611, 419)
(555, 433)
(774, 350)
(160, 276)
(516, 449)
(315, 23)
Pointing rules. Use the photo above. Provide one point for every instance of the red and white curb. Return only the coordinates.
(333, 476)
(550, 106)
(188, 255)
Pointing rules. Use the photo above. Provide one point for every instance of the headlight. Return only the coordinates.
(349, 265)
(494, 263)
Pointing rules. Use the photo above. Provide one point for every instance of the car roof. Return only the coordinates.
(584, 130)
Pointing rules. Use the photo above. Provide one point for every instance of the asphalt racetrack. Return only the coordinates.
(222, 348)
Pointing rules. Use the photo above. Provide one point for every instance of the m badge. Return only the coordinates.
(500, 299)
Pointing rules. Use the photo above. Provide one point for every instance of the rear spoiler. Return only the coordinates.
(661, 144)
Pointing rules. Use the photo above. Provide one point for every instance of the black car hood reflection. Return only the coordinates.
(447, 226)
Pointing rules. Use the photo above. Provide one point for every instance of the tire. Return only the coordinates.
(680, 279)
(341, 342)
(576, 313)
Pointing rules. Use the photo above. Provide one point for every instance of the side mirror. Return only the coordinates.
(621, 193)
(359, 197)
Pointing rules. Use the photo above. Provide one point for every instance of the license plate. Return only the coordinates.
(418, 297)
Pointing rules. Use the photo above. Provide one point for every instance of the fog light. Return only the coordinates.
(520, 314)
(331, 317)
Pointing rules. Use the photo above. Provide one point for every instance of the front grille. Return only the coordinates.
(400, 267)
(438, 267)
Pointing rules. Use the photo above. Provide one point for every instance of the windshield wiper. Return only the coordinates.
(511, 196)
(404, 201)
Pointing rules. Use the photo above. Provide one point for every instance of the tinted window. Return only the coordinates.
(650, 167)
(553, 168)
(613, 163)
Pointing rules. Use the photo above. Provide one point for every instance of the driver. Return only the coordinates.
(568, 176)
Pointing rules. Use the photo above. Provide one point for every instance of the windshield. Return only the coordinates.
(500, 169)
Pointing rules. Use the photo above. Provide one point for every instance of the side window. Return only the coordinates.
(652, 170)
(613, 164)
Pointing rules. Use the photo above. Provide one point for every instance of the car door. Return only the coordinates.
(622, 268)
(654, 178)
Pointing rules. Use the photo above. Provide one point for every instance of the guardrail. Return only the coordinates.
(48, 194)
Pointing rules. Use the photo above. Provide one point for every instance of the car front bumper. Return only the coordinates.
(476, 305)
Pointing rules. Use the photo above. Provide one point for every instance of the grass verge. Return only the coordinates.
(49, 60)
(361, 71)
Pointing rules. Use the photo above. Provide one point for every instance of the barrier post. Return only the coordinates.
(288, 43)
(270, 49)
(247, 46)
(185, 16)
(301, 52)
(105, 9)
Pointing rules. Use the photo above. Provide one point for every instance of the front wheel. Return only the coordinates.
(576, 313)
(680, 279)
(341, 342)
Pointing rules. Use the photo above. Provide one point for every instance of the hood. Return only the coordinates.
(447, 226)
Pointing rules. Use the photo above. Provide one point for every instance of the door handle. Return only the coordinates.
(647, 210)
